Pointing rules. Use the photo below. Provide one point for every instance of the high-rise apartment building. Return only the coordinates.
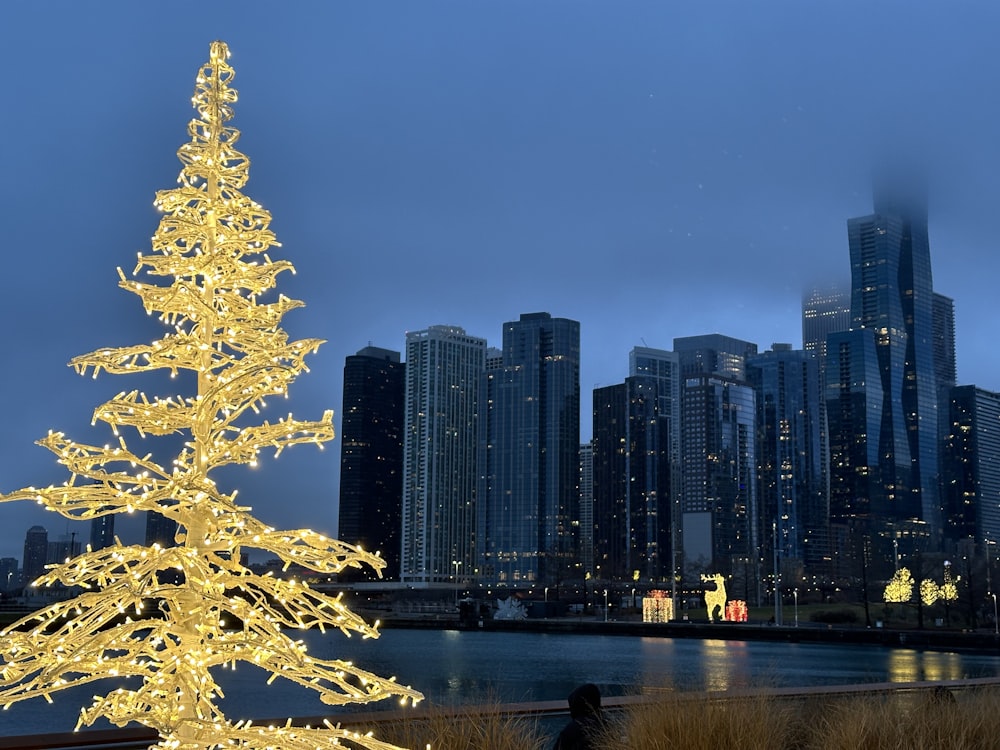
(160, 529)
(972, 466)
(529, 463)
(102, 532)
(636, 448)
(444, 366)
(714, 354)
(653, 390)
(585, 526)
(36, 553)
(719, 468)
(944, 343)
(610, 457)
(371, 458)
(892, 296)
(825, 310)
(793, 493)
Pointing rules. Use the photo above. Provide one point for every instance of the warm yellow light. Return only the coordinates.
(210, 250)
(900, 588)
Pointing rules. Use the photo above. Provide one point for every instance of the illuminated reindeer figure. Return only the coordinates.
(715, 598)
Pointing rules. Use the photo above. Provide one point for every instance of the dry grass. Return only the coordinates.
(958, 720)
(964, 720)
(464, 729)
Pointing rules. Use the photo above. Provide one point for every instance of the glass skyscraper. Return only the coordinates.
(719, 501)
(528, 497)
(892, 296)
(444, 366)
(653, 462)
(793, 465)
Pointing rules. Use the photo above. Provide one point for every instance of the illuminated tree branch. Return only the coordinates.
(167, 617)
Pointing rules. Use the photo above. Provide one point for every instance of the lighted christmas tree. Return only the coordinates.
(165, 617)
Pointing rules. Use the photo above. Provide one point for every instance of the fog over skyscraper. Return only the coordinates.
(892, 295)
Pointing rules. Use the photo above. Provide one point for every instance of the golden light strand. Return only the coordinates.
(167, 617)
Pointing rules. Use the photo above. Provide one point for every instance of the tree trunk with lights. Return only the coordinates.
(163, 618)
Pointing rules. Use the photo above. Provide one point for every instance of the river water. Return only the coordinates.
(454, 667)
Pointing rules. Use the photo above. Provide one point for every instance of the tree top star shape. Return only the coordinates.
(161, 619)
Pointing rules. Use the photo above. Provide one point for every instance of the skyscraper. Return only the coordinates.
(719, 466)
(637, 469)
(793, 466)
(371, 457)
(854, 407)
(160, 529)
(825, 310)
(892, 295)
(610, 441)
(36, 553)
(102, 532)
(944, 343)
(528, 497)
(972, 466)
(653, 389)
(714, 353)
(444, 366)
(585, 532)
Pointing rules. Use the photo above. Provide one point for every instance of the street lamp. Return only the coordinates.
(605, 605)
(546, 594)
(795, 593)
(456, 563)
(996, 623)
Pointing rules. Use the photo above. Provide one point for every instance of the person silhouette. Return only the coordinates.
(586, 720)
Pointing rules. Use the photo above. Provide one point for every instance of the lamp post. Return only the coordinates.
(996, 623)
(895, 552)
(456, 563)
(795, 593)
(546, 594)
(605, 605)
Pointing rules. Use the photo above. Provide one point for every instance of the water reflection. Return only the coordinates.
(453, 667)
(916, 666)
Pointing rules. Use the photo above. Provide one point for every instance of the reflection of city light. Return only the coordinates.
(912, 666)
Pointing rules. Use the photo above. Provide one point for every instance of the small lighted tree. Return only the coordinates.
(900, 587)
(163, 619)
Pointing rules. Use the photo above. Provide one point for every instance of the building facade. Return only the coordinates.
(444, 366)
(371, 457)
(610, 482)
(793, 492)
(892, 296)
(36, 553)
(653, 462)
(528, 495)
(719, 465)
(972, 466)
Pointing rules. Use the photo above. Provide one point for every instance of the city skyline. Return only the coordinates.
(652, 173)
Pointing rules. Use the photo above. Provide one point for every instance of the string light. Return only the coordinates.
(166, 617)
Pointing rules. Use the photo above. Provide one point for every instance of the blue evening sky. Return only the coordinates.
(651, 169)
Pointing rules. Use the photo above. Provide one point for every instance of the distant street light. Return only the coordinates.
(795, 593)
(996, 622)
(606, 605)
(456, 563)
